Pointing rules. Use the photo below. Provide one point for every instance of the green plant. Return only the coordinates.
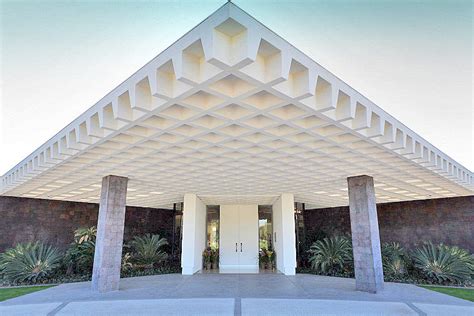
(214, 255)
(262, 257)
(441, 263)
(85, 234)
(311, 235)
(147, 249)
(464, 256)
(331, 255)
(266, 257)
(8, 293)
(466, 294)
(11, 253)
(207, 255)
(270, 255)
(394, 259)
(29, 262)
(126, 263)
(79, 257)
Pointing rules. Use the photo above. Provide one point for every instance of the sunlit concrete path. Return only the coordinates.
(236, 294)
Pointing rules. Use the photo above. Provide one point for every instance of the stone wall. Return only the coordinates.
(448, 220)
(24, 220)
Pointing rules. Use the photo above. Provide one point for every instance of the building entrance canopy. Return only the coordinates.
(235, 114)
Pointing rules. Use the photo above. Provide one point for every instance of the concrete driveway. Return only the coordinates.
(236, 294)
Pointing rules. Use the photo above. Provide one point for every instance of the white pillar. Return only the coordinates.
(284, 234)
(365, 234)
(110, 226)
(194, 234)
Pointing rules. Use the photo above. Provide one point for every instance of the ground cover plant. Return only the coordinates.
(465, 294)
(8, 293)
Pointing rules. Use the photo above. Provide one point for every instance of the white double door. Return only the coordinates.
(238, 248)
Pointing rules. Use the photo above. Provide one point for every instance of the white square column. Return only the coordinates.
(284, 240)
(194, 234)
(109, 241)
(365, 234)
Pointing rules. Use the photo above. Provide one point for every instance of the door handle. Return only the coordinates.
(235, 247)
(240, 247)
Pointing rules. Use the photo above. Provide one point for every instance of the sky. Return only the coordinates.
(412, 58)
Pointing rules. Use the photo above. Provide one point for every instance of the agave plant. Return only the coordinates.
(464, 256)
(146, 249)
(442, 263)
(330, 255)
(11, 253)
(29, 262)
(394, 259)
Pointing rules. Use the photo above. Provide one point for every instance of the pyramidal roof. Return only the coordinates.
(234, 113)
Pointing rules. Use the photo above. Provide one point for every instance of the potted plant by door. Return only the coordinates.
(272, 260)
(269, 259)
(206, 258)
(215, 258)
(262, 258)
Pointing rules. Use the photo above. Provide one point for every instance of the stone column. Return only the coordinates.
(365, 234)
(194, 234)
(110, 226)
(284, 241)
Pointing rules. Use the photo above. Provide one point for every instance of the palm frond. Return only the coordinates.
(330, 254)
(441, 263)
(394, 259)
(146, 249)
(29, 262)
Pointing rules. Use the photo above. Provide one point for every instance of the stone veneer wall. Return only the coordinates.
(25, 220)
(447, 220)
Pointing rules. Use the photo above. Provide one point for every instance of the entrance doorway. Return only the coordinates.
(239, 238)
(238, 249)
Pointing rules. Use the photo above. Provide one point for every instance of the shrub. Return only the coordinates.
(310, 237)
(394, 259)
(146, 249)
(31, 262)
(207, 255)
(464, 256)
(442, 263)
(86, 234)
(79, 257)
(331, 255)
(126, 263)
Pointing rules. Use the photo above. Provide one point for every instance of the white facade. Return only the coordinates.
(194, 234)
(284, 231)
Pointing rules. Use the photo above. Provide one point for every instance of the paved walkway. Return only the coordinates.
(234, 294)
